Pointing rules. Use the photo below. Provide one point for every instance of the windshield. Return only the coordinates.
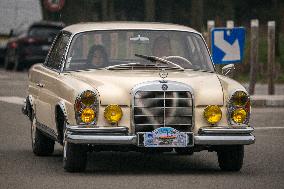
(117, 48)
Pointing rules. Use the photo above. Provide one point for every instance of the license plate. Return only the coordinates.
(166, 137)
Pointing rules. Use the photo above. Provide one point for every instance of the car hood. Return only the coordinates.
(114, 87)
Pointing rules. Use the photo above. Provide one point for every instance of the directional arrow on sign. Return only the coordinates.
(232, 52)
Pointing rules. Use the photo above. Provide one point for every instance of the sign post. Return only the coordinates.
(271, 57)
(253, 54)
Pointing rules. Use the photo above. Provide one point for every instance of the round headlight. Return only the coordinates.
(88, 115)
(113, 113)
(239, 115)
(240, 98)
(212, 114)
(88, 98)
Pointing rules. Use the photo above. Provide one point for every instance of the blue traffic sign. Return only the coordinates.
(228, 45)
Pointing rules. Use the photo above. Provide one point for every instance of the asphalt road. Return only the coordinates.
(19, 168)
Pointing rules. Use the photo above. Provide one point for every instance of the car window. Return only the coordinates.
(99, 49)
(57, 51)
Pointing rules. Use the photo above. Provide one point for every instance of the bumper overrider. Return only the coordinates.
(121, 136)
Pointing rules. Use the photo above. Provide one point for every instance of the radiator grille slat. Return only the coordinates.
(154, 109)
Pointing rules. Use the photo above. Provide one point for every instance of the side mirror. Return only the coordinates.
(228, 69)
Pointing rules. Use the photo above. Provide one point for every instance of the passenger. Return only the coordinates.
(161, 47)
(97, 56)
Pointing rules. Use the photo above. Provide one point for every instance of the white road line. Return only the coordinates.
(12, 99)
(267, 128)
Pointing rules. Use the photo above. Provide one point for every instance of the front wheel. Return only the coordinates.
(230, 158)
(7, 63)
(18, 66)
(41, 144)
(74, 157)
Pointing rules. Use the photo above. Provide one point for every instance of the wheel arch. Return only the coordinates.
(60, 119)
(30, 106)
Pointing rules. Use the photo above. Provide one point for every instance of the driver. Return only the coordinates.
(161, 47)
(97, 56)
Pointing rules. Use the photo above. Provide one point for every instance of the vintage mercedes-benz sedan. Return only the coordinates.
(128, 86)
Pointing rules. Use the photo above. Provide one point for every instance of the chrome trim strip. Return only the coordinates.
(97, 129)
(141, 124)
(226, 130)
(224, 140)
(110, 140)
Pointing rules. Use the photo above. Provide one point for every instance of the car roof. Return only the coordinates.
(48, 24)
(90, 26)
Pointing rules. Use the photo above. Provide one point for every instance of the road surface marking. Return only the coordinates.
(12, 99)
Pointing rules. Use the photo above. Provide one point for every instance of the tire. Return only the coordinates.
(74, 157)
(41, 144)
(7, 64)
(17, 64)
(230, 158)
(184, 151)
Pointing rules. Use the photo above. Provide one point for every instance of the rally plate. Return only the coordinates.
(165, 137)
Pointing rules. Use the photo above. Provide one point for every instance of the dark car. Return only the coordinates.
(2, 52)
(31, 46)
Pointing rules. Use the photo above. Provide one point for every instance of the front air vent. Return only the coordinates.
(159, 108)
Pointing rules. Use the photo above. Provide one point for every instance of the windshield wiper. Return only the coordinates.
(130, 65)
(158, 59)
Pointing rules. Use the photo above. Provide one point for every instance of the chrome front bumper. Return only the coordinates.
(121, 136)
(224, 136)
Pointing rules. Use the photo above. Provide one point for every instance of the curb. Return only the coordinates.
(267, 100)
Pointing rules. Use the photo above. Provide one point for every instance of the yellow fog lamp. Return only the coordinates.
(113, 113)
(88, 115)
(239, 115)
(88, 98)
(212, 114)
(240, 98)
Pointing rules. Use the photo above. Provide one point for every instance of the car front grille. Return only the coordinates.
(154, 109)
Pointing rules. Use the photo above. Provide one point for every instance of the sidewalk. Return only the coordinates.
(262, 99)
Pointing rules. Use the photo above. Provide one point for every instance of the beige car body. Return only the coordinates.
(114, 87)
(49, 89)
(53, 93)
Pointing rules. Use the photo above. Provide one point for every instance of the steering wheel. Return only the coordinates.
(178, 57)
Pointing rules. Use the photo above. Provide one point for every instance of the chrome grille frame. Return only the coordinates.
(156, 86)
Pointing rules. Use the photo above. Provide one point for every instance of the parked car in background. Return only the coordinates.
(148, 87)
(2, 52)
(30, 46)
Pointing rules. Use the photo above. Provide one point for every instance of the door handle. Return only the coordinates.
(40, 85)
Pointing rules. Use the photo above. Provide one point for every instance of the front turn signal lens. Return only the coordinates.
(239, 115)
(113, 113)
(240, 98)
(212, 114)
(88, 115)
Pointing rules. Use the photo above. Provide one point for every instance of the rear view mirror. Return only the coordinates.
(228, 70)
